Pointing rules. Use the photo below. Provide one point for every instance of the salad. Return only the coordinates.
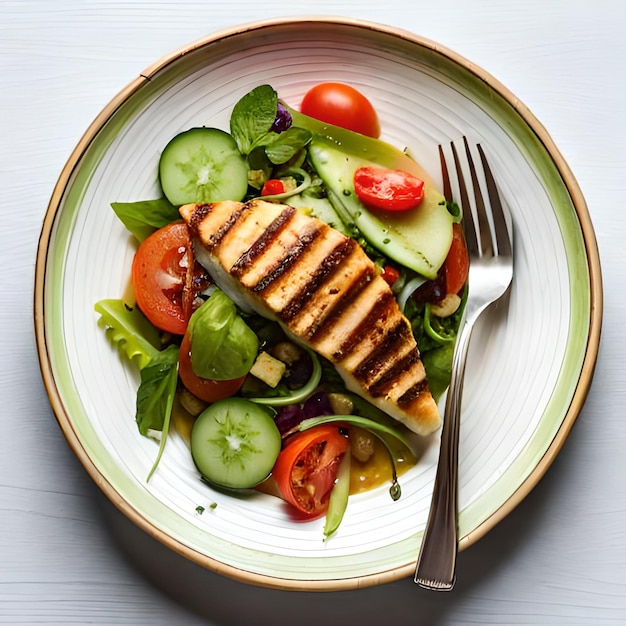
(257, 406)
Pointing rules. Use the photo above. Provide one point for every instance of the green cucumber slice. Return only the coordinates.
(235, 443)
(203, 165)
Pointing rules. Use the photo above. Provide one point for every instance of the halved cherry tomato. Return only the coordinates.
(457, 262)
(167, 279)
(203, 388)
(388, 190)
(272, 187)
(306, 468)
(341, 105)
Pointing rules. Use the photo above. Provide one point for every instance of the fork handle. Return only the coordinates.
(436, 564)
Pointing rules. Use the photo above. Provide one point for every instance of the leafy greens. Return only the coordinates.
(133, 334)
(223, 345)
(142, 218)
(251, 123)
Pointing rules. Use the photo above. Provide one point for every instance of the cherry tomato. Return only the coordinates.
(272, 187)
(203, 388)
(457, 262)
(390, 274)
(388, 190)
(167, 279)
(341, 105)
(306, 468)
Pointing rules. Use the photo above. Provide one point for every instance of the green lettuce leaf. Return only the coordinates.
(129, 330)
(135, 337)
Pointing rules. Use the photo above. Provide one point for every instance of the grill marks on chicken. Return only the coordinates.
(325, 290)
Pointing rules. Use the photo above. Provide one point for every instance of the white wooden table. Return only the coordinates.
(68, 557)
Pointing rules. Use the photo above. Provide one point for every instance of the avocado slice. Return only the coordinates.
(419, 238)
(321, 208)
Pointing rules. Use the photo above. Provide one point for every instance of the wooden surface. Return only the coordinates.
(68, 557)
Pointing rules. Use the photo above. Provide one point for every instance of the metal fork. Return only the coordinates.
(489, 243)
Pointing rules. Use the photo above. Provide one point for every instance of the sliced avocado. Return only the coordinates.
(321, 208)
(419, 238)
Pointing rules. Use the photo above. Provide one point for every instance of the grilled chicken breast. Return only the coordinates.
(274, 260)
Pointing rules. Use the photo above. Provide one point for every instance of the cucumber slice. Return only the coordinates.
(235, 443)
(203, 165)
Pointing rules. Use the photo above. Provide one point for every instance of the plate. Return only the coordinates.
(531, 360)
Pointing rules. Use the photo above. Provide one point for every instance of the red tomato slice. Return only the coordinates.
(341, 105)
(204, 388)
(306, 468)
(457, 262)
(167, 279)
(388, 190)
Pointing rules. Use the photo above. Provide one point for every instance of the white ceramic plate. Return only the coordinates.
(531, 359)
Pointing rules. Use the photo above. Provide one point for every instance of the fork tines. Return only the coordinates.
(489, 214)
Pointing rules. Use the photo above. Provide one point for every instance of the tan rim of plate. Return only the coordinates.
(578, 399)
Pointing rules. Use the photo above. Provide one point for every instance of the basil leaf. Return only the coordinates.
(156, 390)
(253, 116)
(223, 346)
(287, 144)
(260, 167)
(142, 218)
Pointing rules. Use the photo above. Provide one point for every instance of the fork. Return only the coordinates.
(489, 244)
